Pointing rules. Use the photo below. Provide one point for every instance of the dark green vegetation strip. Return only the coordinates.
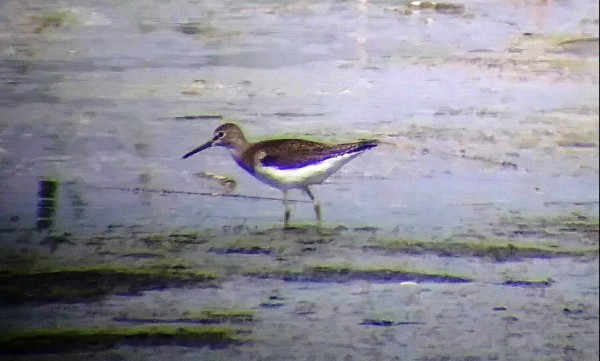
(68, 340)
(211, 316)
(546, 282)
(239, 249)
(497, 251)
(93, 283)
(388, 323)
(341, 273)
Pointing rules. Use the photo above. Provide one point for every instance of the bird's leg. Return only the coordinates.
(286, 212)
(316, 205)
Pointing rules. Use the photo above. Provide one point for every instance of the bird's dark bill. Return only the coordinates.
(199, 149)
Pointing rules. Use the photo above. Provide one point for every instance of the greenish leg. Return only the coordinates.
(316, 205)
(286, 214)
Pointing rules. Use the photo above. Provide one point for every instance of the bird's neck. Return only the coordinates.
(238, 147)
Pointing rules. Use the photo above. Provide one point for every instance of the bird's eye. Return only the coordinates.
(219, 135)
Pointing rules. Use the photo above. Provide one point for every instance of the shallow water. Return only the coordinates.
(92, 99)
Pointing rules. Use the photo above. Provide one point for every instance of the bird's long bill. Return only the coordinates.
(199, 149)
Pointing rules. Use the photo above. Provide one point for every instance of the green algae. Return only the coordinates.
(53, 19)
(196, 29)
(143, 254)
(584, 226)
(18, 259)
(441, 7)
(499, 251)
(552, 227)
(70, 340)
(205, 316)
(244, 246)
(217, 315)
(174, 240)
(386, 322)
(303, 229)
(531, 283)
(578, 39)
(345, 273)
(93, 283)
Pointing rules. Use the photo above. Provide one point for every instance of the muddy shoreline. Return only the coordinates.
(269, 288)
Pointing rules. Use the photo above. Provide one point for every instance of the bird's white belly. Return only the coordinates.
(301, 177)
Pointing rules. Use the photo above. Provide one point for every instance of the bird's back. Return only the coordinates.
(297, 153)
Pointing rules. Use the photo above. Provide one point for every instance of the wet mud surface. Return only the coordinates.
(470, 233)
(334, 293)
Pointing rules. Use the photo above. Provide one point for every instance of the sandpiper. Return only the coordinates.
(286, 163)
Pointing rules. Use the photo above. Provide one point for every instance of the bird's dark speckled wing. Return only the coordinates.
(295, 153)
